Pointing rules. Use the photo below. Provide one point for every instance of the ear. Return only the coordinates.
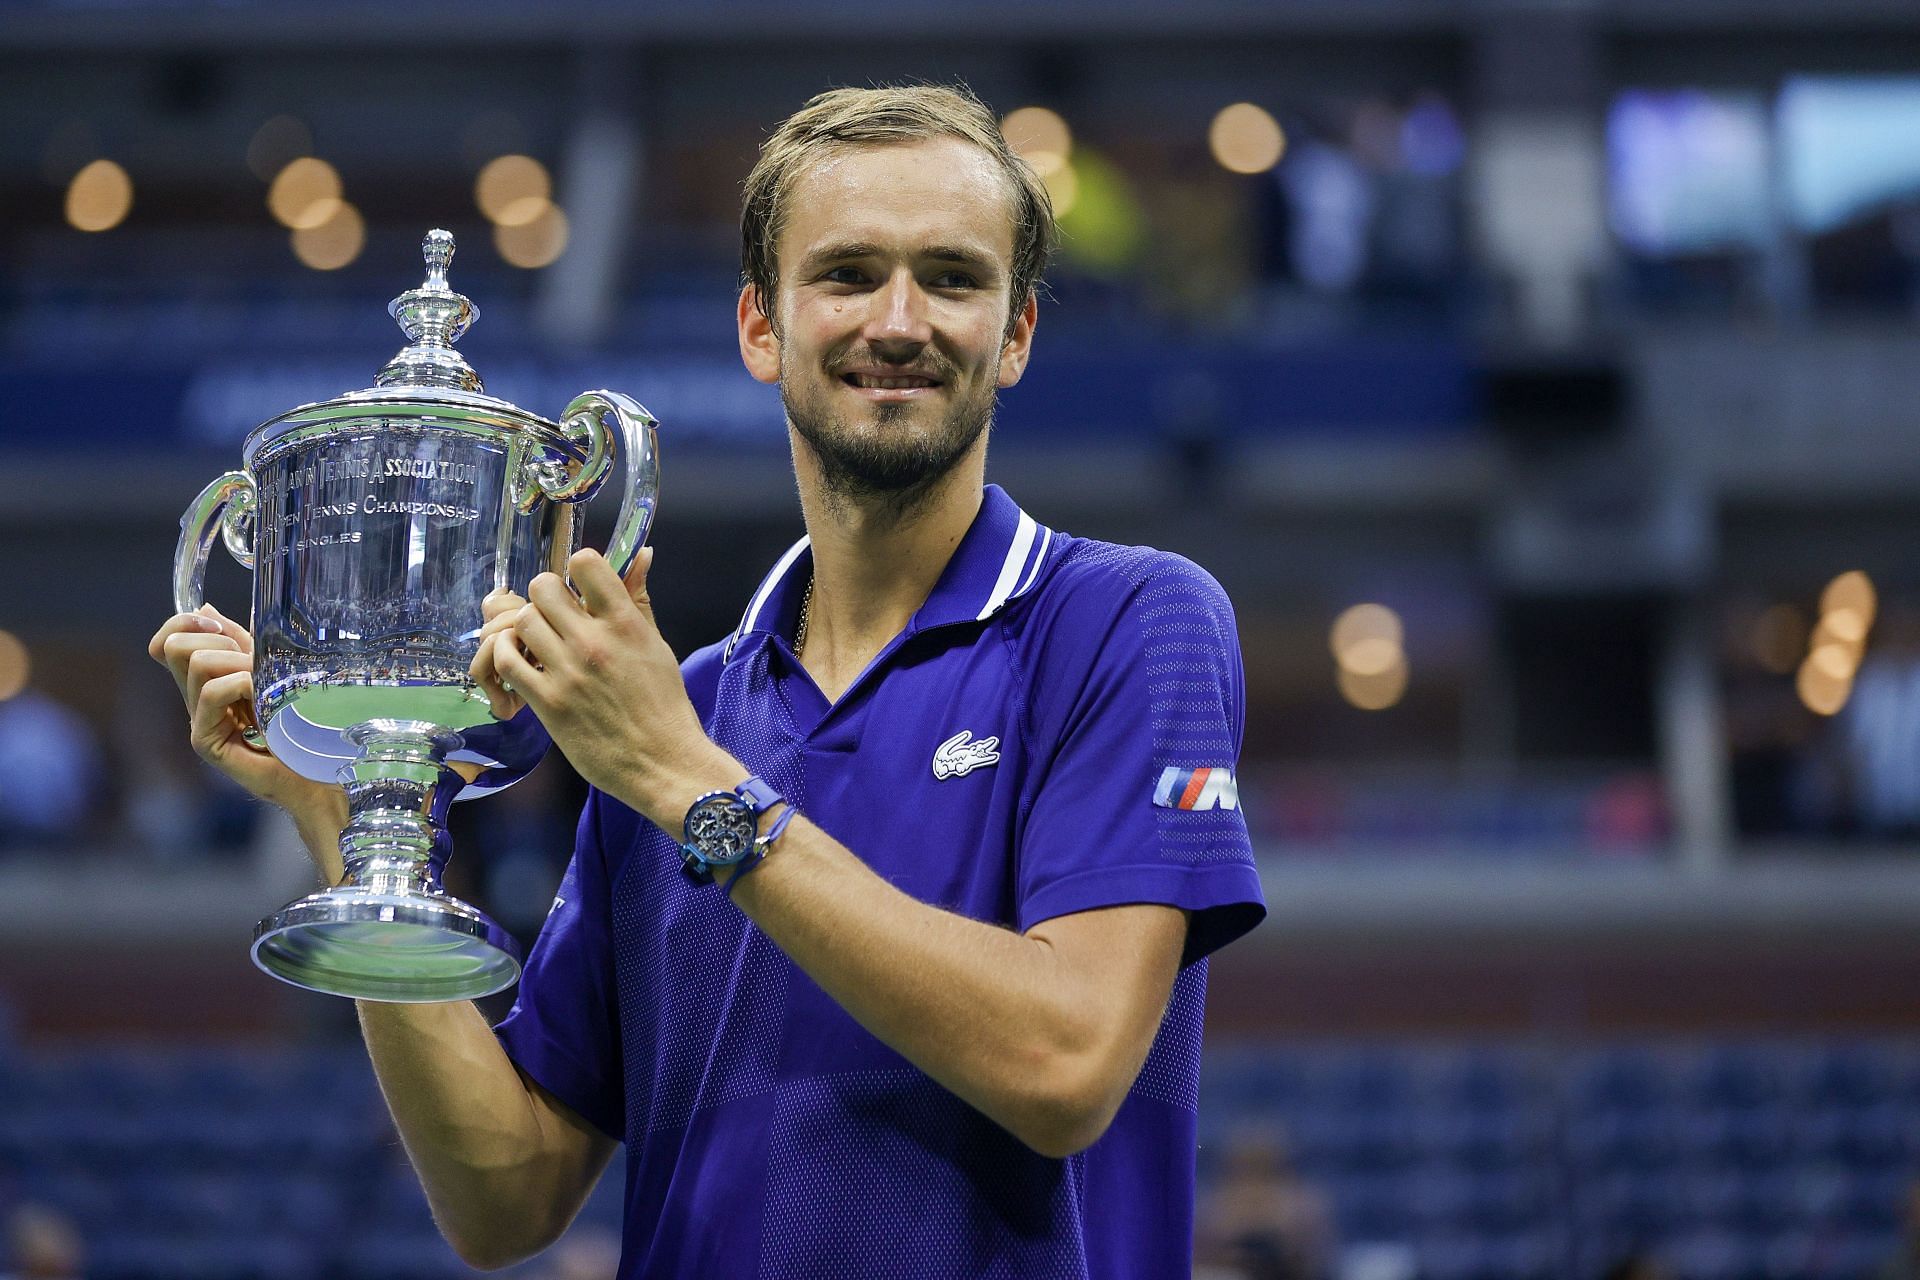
(759, 345)
(1013, 356)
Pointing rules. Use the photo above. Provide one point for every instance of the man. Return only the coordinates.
(941, 1018)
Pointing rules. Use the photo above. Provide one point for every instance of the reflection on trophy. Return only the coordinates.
(375, 523)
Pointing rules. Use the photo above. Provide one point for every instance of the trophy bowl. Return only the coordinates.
(375, 523)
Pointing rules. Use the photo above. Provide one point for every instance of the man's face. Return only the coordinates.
(892, 312)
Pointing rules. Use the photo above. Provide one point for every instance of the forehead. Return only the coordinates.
(928, 191)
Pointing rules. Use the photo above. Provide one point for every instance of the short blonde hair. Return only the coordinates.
(843, 118)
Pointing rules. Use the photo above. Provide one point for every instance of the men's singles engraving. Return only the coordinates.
(324, 498)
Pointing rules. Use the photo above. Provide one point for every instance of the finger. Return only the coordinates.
(500, 604)
(533, 632)
(517, 669)
(214, 727)
(636, 579)
(482, 671)
(554, 599)
(599, 586)
(498, 626)
(228, 626)
(178, 650)
(204, 665)
(178, 624)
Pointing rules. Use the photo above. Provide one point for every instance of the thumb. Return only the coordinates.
(636, 579)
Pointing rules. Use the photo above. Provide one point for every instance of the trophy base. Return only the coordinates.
(408, 947)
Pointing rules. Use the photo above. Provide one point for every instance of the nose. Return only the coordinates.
(897, 325)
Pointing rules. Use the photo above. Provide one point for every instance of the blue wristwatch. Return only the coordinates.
(722, 830)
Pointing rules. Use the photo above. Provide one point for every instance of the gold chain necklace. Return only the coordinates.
(806, 613)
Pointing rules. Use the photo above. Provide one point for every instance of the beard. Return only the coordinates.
(890, 464)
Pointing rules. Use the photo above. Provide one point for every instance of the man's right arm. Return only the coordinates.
(505, 1164)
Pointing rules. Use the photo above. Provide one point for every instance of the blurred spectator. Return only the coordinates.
(43, 1245)
(49, 770)
(1332, 199)
(1882, 730)
(1263, 1221)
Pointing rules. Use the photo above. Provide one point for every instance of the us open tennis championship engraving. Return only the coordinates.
(375, 523)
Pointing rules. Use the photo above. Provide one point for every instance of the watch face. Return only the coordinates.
(722, 829)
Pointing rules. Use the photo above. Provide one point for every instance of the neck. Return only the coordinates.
(875, 563)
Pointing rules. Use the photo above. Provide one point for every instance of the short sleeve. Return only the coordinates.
(1136, 719)
(563, 1029)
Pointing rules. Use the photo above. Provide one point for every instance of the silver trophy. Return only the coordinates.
(374, 524)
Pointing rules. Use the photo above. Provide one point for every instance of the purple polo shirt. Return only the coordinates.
(1054, 731)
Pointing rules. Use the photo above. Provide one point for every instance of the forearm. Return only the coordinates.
(319, 818)
(991, 1015)
(497, 1187)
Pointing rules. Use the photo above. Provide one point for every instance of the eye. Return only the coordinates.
(843, 275)
(955, 280)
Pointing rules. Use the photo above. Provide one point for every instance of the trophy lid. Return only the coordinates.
(433, 316)
(427, 381)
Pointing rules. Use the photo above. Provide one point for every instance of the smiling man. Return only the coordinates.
(882, 948)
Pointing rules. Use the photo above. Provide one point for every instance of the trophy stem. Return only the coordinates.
(388, 931)
(397, 791)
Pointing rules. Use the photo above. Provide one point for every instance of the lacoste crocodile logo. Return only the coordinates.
(960, 755)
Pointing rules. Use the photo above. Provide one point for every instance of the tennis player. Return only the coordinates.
(882, 947)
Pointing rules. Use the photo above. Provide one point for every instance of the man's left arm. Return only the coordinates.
(1043, 1032)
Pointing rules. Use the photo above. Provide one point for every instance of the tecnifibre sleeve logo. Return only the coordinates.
(1210, 788)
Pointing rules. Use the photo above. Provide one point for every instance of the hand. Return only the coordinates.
(606, 685)
(211, 660)
(499, 610)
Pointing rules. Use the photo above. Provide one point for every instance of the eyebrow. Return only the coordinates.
(852, 249)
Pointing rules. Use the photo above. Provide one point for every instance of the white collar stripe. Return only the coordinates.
(1010, 568)
(771, 581)
(1038, 560)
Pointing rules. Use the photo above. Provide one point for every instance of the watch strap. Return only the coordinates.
(759, 854)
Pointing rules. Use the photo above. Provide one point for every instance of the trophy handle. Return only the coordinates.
(585, 425)
(227, 504)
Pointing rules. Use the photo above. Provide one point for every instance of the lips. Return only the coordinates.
(873, 382)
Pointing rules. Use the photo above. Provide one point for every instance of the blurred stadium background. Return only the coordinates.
(1539, 376)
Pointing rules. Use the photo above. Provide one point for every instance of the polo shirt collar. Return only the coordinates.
(998, 560)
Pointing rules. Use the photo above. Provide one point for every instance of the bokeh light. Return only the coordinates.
(1367, 642)
(333, 243)
(1375, 692)
(1365, 622)
(1836, 660)
(99, 197)
(1848, 605)
(1063, 187)
(306, 194)
(1820, 690)
(513, 190)
(533, 244)
(1246, 138)
(1040, 136)
(16, 665)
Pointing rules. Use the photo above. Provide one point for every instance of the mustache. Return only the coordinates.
(928, 364)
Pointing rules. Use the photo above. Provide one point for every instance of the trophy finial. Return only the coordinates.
(433, 317)
(438, 251)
